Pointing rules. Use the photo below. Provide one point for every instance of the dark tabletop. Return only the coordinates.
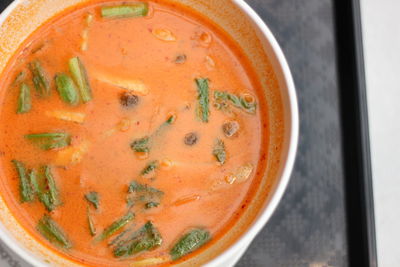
(308, 227)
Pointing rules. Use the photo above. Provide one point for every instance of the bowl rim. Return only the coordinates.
(241, 245)
(250, 233)
(4, 236)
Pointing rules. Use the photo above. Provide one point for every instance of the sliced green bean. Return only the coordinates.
(25, 189)
(48, 191)
(19, 78)
(67, 89)
(24, 99)
(125, 11)
(39, 78)
(47, 141)
(116, 226)
(80, 77)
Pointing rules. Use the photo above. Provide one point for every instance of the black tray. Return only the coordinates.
(326, 216)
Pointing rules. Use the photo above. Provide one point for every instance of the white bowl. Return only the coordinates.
(22, 17)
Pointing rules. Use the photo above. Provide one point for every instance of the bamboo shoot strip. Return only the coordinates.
(125, 11)
(189, 243)
(80, 77)
(93, 198)
(145, 239)
(77, 117)
(24, 99)
(115, 226)
(52, 232)
(219, 151)
(25, 189)
(203, 110)
(67, 89)
(40, 79)
(47, 141)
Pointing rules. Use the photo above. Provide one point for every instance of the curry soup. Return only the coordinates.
(131, 133)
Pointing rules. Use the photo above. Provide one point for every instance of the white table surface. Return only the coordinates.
(381, 29)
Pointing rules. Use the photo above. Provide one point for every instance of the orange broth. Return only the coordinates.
(199, 191)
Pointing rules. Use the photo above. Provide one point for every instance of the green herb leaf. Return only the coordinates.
(145, 239)
(150, 205)
(40, 79)
(79, 75)
(67, 89)
(235, 100)
(142, 193)
(125, 11)
(119, 237)
(92, 228)
(144, 144)
(47, 141)
(93, 198)
(219, 151)
(189, 243)
(171, 119)
(141, 144)
(249, 107)
(150, 167)
(222, 98)
(137, 187)
(25, 189)
(203, 110)
(52, 232)
(116, 226)
(24, 99)
(48, 192)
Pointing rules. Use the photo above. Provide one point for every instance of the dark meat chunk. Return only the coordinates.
(191, 139)
(180, 59)
(128, 99)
